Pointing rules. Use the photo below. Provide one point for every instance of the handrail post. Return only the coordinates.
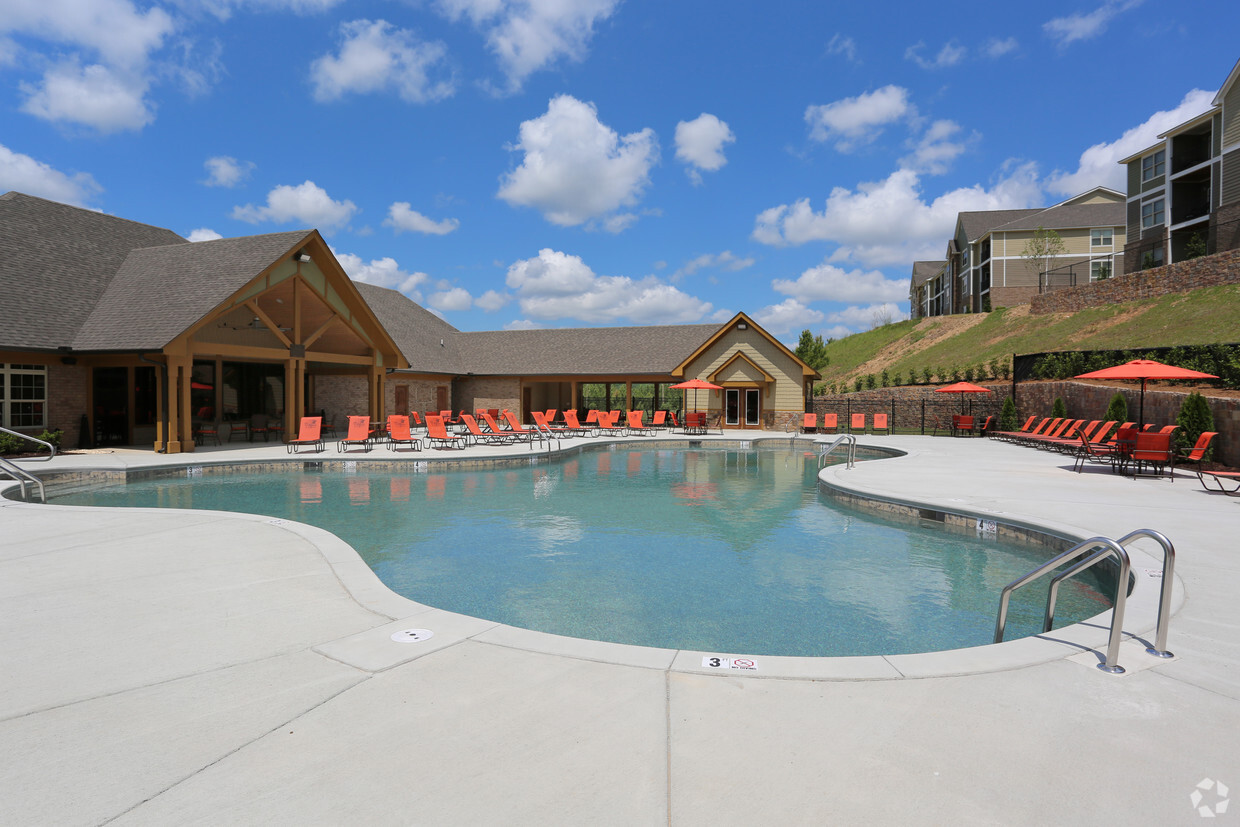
(1159, 649)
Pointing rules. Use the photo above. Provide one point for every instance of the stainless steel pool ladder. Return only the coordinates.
(841, 439)
(20, 474)
(1101, 548)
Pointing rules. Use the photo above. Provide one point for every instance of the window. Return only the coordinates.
(1154, 165)
(1152, 214)
(23, 396)
(1100, 238)
(1099, 270)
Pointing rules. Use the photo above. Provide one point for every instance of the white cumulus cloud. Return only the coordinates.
(21, 173)
(727, 260)
(224, 171)
(787, 316)
(306, 203)
(861, 221)
(937, 147)
(528, 35)
(576, 168)
(101, 97)
(203, 234)
(843, 46)
(384, 272)
(376, 56)
(1099, 165)
(700, 142)
(455, 298)
(403, 218)
(998, 48)
(826, 282)
(851, 122)
(555, 285)
(492, 300)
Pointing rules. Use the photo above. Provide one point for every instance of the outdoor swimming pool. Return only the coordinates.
(704, 549)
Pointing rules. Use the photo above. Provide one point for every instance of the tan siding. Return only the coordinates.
(1154, 183)
(1231, 176)
(1134, 177)
(1075, 242)
(787, 395)
(1231, 116)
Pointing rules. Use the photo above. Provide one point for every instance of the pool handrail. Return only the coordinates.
(1111, 664)
(842, 438)
(21, 475)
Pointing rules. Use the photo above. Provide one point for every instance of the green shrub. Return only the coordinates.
(927, 375)
(1058, 409)
(16, 445)
(1117, 411)
(870, 382)
(885, 379)
(968, 374)
(1007, 416)
(1194, 420)
(858, 383)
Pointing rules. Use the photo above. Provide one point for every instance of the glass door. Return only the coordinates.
(753, 405)
(732, 406)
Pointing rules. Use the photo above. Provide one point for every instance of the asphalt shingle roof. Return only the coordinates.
(977, 224)
(1070, 216)
(56, 262)
(416, 331)
(160, 291)
(923, 271)
(583, 351)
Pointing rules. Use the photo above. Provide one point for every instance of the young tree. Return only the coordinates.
(1040, 250)
(1059, 410)
(812, 350)
(1117, 411)
(1195, 419)
(1007, 417)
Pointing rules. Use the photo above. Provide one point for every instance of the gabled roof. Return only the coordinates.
(923, 271)
(428, 343)
(56, 263)
(1069, 216)
(977, 224)
(1232, 77)
(738, 319)
(158, 292)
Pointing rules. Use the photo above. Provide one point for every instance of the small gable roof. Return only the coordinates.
(977, 224)
(158, 292)
(719, 332)
(923, 271)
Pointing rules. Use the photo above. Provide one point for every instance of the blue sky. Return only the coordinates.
(563, 163)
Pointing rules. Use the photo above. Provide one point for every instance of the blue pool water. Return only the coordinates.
(704, 549)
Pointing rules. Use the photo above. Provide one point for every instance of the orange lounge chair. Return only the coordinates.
(635, 427)
(415, 421)
(437, 435)
(575, 427)
(659, 420)
(308, 433)
(499, 433)
(858, 422)
(359, 434)
(606, 422)
(671, 420)
(880, 424)
(829, 421)
(398, 433)
(1219, 477)
(477, 435)
(543, 421)
(1087, 451)
(516, 428)
(1198, 453)
(1007, 435)
(809, 423)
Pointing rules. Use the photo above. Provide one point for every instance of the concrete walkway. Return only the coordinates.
(203, 668)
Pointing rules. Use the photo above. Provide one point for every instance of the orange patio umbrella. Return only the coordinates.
(962, 388)
(696, 385)
(1144, 369)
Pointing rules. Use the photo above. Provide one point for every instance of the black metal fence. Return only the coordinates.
(1081, 271)
(909, 416)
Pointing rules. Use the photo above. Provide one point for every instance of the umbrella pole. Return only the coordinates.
(1141, 415)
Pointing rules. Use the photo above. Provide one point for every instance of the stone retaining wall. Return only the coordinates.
(1207, 271)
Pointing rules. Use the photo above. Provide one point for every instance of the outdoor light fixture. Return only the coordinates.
(742, 326)
(302, 257)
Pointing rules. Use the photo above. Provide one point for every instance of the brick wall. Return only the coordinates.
(488, 392)
(67, 388)
(1207, 271)
(340, 397)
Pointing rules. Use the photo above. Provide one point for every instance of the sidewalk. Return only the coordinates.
(172, 667)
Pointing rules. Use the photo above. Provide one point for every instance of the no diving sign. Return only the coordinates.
(721, 662)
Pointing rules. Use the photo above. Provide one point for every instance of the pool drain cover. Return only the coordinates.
(412, 635)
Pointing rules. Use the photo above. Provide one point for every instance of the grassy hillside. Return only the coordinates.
(1206, 316)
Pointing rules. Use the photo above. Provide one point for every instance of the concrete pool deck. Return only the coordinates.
(197, 667)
